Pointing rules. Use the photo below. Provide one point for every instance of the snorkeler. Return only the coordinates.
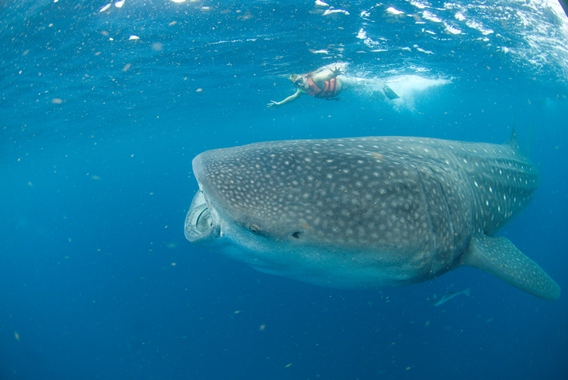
(324, 83)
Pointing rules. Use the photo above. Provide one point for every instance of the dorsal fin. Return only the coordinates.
(513, 140)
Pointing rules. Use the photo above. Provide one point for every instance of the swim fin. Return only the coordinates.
(389, 92)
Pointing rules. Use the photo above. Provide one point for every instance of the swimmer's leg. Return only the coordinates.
(351, 82)
(374, 85)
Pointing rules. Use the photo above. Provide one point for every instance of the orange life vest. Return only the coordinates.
(329, 89)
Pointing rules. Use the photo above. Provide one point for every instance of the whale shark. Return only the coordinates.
(367, 212)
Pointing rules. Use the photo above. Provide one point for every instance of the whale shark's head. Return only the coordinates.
(320, 211)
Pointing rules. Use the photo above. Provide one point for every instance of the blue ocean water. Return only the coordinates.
(104, 105)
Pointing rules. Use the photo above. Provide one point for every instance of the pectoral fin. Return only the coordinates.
(500, 258)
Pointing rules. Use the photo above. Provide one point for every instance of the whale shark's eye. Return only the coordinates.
(254, 228)
(296, 234)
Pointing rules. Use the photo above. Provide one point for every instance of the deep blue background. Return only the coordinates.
(96, 142)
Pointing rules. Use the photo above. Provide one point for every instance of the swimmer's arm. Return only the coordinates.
(326, 74)
(335, 72)
(289, 99)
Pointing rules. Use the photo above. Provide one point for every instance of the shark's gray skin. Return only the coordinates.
(367, 212)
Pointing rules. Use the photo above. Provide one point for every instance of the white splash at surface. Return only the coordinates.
(408, 87)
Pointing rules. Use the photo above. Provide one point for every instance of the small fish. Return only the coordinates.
(449, 296)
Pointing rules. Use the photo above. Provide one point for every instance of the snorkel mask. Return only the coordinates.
(299, 81)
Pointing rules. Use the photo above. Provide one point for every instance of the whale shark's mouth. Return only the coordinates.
(200, 222)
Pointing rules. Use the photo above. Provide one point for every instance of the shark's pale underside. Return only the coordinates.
(367, 212)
